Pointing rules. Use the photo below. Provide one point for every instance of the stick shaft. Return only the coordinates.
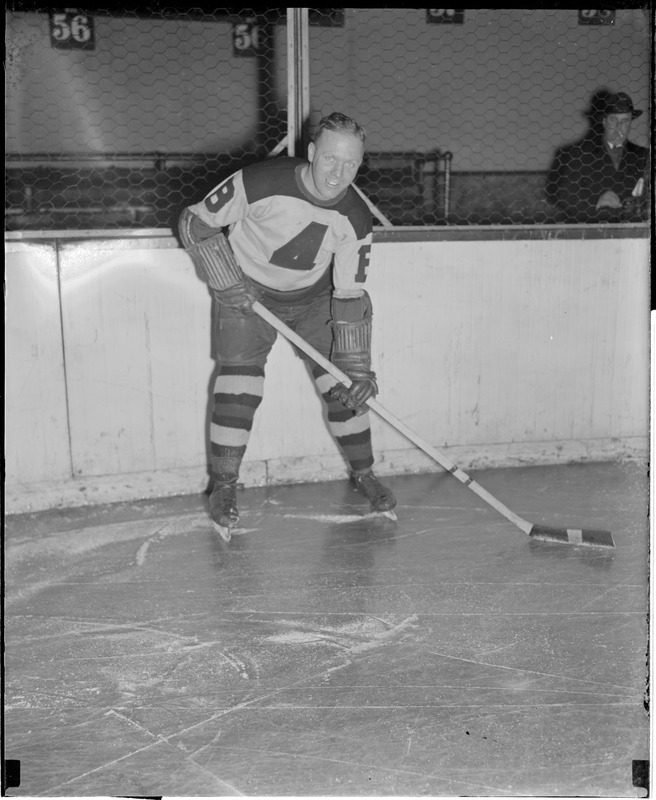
(440, 458)
(378, 214)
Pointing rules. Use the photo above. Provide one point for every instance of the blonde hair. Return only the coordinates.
(340, 123)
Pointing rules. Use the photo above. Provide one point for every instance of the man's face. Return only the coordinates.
(334, 162)
(616, 128)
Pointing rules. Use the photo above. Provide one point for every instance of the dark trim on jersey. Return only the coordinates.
(281, 176)
(358, 212)
(276, 176)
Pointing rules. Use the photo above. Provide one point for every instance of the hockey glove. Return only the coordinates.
(356, 396)
(352, 351)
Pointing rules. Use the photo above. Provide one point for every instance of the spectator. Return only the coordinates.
(603, 177)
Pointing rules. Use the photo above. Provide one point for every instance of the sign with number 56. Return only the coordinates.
(71, 30)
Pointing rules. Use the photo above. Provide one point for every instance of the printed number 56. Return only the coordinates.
(76, 28)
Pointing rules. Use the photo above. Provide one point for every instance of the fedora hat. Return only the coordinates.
(619, 103)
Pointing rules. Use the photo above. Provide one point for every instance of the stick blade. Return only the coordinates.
(588, 538)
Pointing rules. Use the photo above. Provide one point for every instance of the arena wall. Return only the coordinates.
(499, 347)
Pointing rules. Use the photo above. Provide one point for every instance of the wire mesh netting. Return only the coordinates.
(473, 117)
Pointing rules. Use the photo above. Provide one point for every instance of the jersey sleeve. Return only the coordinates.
(225, 204)
(354, 251)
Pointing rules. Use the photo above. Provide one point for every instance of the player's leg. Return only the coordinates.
(242, 344)
(352, 432)
(353, 435)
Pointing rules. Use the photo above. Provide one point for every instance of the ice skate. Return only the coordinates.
(381, 499)
(223, 508)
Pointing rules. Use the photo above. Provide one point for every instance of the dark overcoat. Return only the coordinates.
(583, 171)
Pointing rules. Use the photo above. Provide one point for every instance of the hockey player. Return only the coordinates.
(298, 240)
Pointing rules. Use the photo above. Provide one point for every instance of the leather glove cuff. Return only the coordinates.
(241, 296)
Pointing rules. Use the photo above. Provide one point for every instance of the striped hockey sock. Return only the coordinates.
(237, 394)
(353, 433)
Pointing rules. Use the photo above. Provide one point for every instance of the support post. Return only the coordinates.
(298, 79)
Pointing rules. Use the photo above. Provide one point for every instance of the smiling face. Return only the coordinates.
(616, 128)
(334, 159)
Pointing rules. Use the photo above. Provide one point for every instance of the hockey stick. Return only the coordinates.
(576, 536)
(372, 208)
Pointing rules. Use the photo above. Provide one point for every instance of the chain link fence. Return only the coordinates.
(119, 119)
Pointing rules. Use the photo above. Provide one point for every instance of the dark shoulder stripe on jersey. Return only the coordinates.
(277, 177)
(357, 211)
(274, 176)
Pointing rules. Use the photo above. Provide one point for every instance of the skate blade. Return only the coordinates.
(224, 533)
